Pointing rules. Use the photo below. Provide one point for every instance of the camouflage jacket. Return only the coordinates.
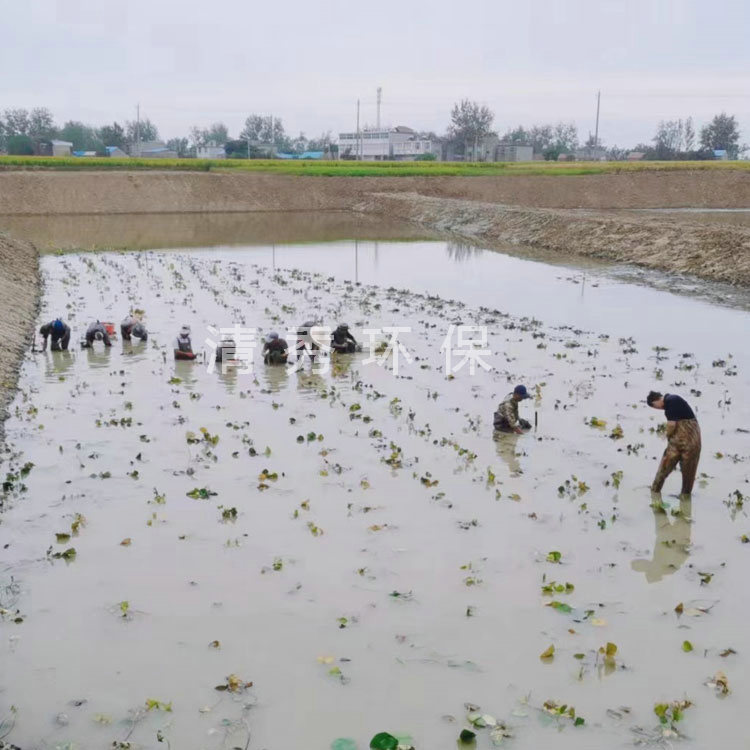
(508, 411)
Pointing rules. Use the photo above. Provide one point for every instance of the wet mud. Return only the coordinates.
(356, 542)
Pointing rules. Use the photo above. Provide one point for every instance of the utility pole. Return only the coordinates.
(359, 138)
(138, 129)
(380, 99)
(596, 132)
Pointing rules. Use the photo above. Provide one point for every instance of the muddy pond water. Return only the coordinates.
(374, 558)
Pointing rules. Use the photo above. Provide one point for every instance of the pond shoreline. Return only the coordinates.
(710, 252)
(20, 291)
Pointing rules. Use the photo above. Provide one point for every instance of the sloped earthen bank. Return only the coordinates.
(715, 253)
(20, 287)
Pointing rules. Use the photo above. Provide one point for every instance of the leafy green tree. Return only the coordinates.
(722, 133)
(20, 145)
(547, 139)
(236, 149)
(82, 136)
(41, 124)
(519, 136)
(180, 146)
(260, 129)
(113, 135)
(218, 133)
(143, 131)
(16, 122)
(322, 143)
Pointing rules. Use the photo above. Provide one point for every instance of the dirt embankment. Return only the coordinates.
(520, 210)
(19, 299)
(50, 193)
(718, 253)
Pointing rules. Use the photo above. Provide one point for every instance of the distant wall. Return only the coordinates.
(47, 192)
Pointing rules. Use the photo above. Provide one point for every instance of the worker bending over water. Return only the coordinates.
(132, 326)
(683, 440)
(342, 340)
(58, 333)
(275, 349)
(96, 332)
(506, 416)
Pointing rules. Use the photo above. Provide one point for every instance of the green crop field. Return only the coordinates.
(360, 169)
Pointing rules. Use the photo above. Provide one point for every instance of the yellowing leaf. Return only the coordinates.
(548, 653)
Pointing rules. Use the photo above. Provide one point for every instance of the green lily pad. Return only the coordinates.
(383, 741)
(344, 743)
(467, 736)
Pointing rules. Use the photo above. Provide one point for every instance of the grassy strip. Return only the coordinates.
(362, 169)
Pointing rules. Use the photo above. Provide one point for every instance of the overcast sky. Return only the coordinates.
(308, 62)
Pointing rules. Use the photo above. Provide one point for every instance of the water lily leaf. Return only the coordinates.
(560, 606)
(687, 647)
(383, 741)
(548, 653)
(344, 743)
(467, 736)
(126, 542)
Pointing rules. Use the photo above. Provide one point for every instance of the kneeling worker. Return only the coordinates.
(342, 341)
(96, 332)
(133, 327)
(506, 416)
(275, 349)
(58, 333)
(683, 440)
(183, 347)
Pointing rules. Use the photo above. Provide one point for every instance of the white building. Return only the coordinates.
(399, 144)
(61, 148)
(211, 151)
(490, 148)
(152, 150)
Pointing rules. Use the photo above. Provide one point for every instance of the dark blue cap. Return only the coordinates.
(520, 390)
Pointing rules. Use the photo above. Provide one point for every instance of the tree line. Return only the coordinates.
(674, 139)
(23, 131)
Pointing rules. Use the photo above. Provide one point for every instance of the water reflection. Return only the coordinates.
(57, 365)
(671, 545)
(310, 383)
(98, 358)
(460, 251)
(506, 444)
(134, 350)
(228, 377)
(184, 369)
(276, 377)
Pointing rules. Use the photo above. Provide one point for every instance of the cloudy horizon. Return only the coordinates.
(652, 61)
